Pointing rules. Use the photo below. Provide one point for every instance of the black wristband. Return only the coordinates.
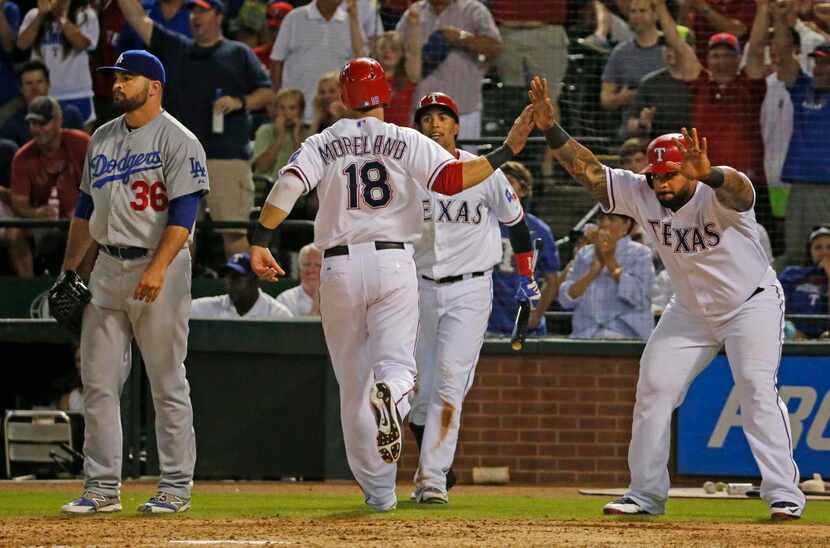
(715, 178)
(499, 156)
(556, 136)
(243, 101)
(262, 236)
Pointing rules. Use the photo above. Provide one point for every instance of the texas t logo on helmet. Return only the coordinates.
(661, 151)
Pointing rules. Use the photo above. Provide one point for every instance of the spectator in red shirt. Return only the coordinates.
(403, 70)
(727, 107)
(715, 16)
(274, 15)
(727, 104)
(53, 159)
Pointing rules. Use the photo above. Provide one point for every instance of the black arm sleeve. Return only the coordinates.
(520, 237)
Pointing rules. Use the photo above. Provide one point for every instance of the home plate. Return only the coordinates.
(235, 541)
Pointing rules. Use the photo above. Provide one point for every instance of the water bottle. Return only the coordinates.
(54, 203)
(218, 117)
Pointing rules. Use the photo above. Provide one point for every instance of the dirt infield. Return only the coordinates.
(142, 532)
(360, 528)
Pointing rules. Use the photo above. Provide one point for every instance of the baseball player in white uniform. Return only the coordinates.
(142, 181)
(725, 295)
(459, 245)
(367, 174)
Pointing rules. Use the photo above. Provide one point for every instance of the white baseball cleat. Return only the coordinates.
(432, 495)
(91, 502)
(388, 421)
(623, 506)
(783, 511)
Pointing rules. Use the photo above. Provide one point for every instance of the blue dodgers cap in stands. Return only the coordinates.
(217, 5)
(141, 62)
(239, 263)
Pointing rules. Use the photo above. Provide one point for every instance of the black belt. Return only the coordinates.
(453, 279)
(125, 252)
(344, 249)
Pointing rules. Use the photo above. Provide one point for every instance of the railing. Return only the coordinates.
(64, 223)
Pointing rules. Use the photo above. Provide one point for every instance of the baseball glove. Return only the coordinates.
(67, 300)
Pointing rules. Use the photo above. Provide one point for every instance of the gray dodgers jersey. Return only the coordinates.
(133, 174)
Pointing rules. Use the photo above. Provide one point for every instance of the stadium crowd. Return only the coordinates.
(253, 78)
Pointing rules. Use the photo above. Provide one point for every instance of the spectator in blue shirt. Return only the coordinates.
(34, 83)
(609, 286)
(9, 25)
(210, 76)
(806, 287)
(170, 14)
(807, 166)
(505, 278)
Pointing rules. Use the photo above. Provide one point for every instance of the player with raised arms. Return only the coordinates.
(725, 295)
(367, 173)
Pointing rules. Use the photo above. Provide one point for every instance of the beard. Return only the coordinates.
(679, 200)
(125, 104)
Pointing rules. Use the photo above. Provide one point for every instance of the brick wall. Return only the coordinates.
(550, 419)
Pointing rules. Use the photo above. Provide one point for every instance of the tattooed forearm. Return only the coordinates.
(736, 191)
(585, 168)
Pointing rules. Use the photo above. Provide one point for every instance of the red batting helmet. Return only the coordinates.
(662, 150)
(363, 84)
(437, 99)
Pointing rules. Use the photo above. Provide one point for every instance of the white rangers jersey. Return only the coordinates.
(712, 253)
(367, 174)
(461, 233)
(133, 174)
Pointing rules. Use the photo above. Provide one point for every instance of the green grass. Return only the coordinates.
(245, 505)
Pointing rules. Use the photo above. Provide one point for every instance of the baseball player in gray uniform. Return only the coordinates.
(143, 178)
(459, 245)
(702, 220)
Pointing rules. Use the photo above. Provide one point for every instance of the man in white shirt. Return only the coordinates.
(244, 299)
(304, 299)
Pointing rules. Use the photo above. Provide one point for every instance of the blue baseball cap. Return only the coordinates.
(239, 263)
(141, 62)
(217, 5)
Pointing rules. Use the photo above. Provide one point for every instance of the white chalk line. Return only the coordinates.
(232, 541)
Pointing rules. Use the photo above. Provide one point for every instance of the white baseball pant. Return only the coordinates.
(453, 322)
(369, 309)
(681, 346)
